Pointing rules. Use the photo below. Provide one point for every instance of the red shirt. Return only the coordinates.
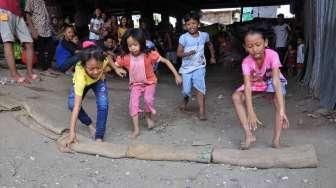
(11, 5)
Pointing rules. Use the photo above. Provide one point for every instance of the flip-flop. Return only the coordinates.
(32, 77)
(21, 80)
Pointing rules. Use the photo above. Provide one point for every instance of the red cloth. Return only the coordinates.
(11, 5)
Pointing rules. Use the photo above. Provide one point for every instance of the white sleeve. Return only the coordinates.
(300, 55)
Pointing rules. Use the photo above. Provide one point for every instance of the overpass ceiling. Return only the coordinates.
(198, 3)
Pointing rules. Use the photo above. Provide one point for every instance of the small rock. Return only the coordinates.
(32, 158)
(268, 181)
(284, 178)
(127, 173)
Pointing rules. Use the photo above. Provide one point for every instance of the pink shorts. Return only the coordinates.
(137, 90)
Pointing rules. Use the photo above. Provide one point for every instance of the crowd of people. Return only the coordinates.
(114, 44)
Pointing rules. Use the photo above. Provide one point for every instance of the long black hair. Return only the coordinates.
(136, 34)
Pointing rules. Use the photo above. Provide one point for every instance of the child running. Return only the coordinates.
(89, 74)
(139, 63)
(191, 50)
(261, 74)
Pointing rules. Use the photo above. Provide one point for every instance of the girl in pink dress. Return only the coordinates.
(261, 74)
(139, 64)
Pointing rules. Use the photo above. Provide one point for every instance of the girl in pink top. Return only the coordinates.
(261, 74)
(139, 64)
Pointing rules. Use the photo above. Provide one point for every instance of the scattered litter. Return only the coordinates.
(315, 116)
(96, 172)
(268, 181)
(220, 96)
(97, 156)
(305, 181)
(224, 182)
(127, 173)
(32, 158)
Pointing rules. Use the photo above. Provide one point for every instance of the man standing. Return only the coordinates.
(40, 27)
(281, 31)
(12, 24)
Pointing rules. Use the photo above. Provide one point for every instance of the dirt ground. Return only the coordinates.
(28, 159)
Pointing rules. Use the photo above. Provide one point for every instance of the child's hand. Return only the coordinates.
(253, 121)
(178, 80)
(72, 139)
(212, 60)
(284, 120)
(120, 72)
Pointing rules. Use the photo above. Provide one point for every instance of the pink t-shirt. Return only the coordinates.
(141, 68)
(260, 77)
(271, 61)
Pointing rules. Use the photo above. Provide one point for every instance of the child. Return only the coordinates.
(290, 60)
(191, 50)
(89, 74)
(139, 64)
(96, 25)
(122, 28)
(67, 52)
(261, 74)
(300, 55)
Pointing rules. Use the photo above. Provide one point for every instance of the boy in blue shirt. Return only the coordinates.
(191, 50)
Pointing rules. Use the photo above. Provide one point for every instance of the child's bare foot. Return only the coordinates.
(99, 140)
(202, 117)
(183, 106)
(92, 131)
(150, 123)
(134, 134)
(276, 144)
(249, 141)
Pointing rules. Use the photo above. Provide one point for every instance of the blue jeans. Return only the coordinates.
(68, 63)
(100, 90)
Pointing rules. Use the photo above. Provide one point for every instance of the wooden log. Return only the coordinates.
(200, 154)
(291, 157)
(88, 146)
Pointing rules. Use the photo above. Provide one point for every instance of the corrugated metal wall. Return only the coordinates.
(320, 35)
